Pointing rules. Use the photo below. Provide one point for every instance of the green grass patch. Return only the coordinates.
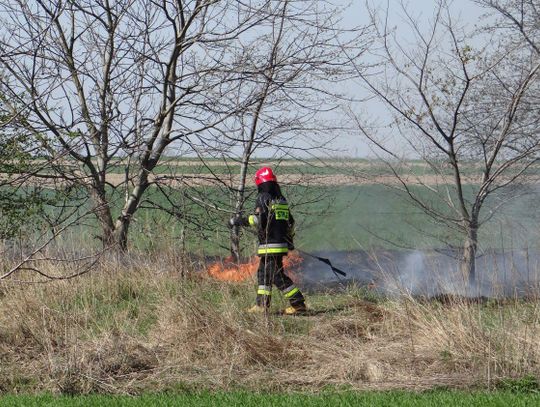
(372, 399)
(526, 384)
(101, 304)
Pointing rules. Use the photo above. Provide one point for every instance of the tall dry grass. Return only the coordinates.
(137, 325)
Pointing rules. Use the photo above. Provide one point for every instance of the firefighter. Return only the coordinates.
(275, 227)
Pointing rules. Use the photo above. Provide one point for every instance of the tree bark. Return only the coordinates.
(235, 243)
(470, 248)
(121, 227)
(240, 200)
(102, 211)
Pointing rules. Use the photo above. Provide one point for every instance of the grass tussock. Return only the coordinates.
(149, 325)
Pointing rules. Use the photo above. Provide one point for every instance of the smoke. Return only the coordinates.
(428, 273)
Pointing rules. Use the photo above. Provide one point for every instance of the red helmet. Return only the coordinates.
(265, 174)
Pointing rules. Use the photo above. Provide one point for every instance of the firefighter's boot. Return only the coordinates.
(299, 309)
(257, 309)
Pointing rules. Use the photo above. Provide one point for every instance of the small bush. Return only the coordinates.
(525, 384)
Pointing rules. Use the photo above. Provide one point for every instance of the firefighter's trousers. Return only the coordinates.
(271, 272)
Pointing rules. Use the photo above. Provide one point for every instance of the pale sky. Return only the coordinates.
(466, 10)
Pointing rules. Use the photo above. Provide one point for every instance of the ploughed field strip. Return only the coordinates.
(179, 173)
(200, 179)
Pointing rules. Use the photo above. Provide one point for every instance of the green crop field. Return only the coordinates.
(329, 217)
(335, 218)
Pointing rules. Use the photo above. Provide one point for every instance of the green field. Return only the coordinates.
(334, 218)
(339, 218)
(371, 399)
(329, 218)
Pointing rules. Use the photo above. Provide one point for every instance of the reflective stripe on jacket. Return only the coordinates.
(273, 248)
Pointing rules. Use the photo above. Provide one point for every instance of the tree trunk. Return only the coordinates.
(121, 227)
(235, 231)
(121, 232)
(114, 235)
(470, 248)
(102, 211)
(235, 243)
(239, 204)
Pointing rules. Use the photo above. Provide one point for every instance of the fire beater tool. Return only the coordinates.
(326, 261)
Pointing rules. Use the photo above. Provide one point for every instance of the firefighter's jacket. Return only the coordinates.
(275, 224)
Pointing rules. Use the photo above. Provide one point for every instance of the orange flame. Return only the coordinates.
(228, 270)
(291, 264)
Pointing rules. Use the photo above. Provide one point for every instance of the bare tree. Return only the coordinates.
(290, 81)
(32, 214)
(516, 19)
(293, 76)
(465, 105)
(112, 85)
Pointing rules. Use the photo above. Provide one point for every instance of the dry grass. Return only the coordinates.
(142, 327)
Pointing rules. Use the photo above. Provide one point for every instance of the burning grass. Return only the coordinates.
(229, 270)
(130, 328)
